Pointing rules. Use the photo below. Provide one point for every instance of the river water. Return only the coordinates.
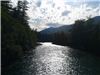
(51, 59)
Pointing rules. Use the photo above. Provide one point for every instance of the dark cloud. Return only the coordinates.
(38, 3)
(65, 13)
(53, 5)
(58, 8)
(54, 24)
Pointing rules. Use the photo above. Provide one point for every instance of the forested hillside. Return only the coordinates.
(16, 36)
(84, 35)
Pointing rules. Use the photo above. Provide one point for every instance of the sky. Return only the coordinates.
(54, 13)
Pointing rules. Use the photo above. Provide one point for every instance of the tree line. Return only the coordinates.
(16, 36)
(84, 35)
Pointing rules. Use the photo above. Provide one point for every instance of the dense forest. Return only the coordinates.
(16, 36)
(84, 35)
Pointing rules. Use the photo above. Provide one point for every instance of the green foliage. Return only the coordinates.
(19, 12)
(86, 35)
(60, 38)
(16, 36)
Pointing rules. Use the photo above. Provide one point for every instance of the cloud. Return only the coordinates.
(38, 3)
(65, 13)
(44, 12)
(60, 12)
(54, 24)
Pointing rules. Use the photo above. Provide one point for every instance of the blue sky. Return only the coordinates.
(42, 13)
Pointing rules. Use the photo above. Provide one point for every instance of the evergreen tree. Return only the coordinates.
(16, 36)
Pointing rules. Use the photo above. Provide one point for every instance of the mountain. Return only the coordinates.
(65, 28)
(96, 19)
(49, 33)
(51, 30)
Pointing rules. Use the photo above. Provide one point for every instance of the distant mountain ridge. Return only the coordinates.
(51, 30)
(96, 19)
(65, 28)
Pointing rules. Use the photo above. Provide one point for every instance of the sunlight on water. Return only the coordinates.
(51, 59)
(47, 43)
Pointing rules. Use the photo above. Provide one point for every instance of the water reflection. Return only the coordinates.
(53, 59)
(51, 63)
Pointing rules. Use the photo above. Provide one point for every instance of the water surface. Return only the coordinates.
(50, 59)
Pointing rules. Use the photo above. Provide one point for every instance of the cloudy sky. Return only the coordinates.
(54, 13)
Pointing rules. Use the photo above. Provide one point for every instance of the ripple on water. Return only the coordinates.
(53, 59)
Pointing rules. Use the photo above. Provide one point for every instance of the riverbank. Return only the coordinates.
(17, 38)
(91, 50)
(53, 59)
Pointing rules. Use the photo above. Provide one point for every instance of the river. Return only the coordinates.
(51, 59)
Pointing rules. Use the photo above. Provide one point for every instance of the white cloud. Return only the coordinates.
(42, 12)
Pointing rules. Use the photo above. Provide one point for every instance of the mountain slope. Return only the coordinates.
(51, 30)
(65, 28)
